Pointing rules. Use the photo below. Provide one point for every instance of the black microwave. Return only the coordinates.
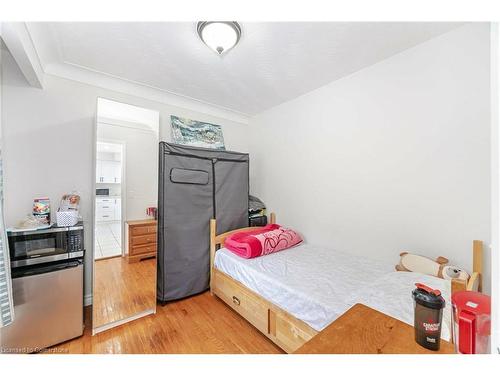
(47, 245)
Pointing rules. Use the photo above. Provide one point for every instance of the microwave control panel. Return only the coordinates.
(75, 241)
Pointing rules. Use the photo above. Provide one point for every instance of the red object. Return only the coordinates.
(262, 241)
(471, 322)
(428, 289)
(151, 211)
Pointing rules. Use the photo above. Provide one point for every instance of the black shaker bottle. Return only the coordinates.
(429, 306)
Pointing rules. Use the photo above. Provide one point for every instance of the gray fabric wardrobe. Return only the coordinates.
(195, 185)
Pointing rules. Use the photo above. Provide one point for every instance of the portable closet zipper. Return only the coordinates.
(214, 210)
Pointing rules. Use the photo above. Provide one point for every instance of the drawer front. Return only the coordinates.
(105, 208)
(136, 250)
(247, 305)
(102, 211)
(104, 200)
(142, 230)
(105, 216)
(290, 334)
(143, 240)
(104, 205)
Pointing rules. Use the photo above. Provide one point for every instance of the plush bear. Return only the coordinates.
(439, 268)
(452, 272)
(417, 263)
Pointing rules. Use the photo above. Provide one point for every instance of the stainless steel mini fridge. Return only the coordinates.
(48, 306)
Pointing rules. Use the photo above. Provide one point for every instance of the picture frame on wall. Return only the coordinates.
(197, 133)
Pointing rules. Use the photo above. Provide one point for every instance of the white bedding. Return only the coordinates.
(317, 285)
(391, 294)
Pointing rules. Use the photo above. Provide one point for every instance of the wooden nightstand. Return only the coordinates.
(362, 330)
(140, 236)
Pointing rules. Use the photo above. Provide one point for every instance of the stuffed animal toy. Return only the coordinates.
(452, 272)
(417, 263)
(439, 268)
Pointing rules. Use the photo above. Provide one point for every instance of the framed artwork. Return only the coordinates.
(196, 133)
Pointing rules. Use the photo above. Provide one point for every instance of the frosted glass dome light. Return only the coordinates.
(220, 36)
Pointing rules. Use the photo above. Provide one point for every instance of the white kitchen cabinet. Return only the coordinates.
(116, 172)
(108, 209)
(98, 171)
(118, 209)
(108, 172)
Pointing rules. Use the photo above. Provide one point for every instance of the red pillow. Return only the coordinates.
(262, 241)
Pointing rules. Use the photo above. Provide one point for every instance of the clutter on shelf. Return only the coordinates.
(41, 210)
(30, 222)
(68, 213)
(152, 212)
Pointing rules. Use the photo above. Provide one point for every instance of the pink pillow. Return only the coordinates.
(262, 241)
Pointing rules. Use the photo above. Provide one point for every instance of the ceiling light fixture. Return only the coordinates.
(220, 36)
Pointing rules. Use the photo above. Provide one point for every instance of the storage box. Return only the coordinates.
(67, 218)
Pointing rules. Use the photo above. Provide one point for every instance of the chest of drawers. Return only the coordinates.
(140, 236)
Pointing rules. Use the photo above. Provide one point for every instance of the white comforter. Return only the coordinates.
(317, 285)
(391, 294)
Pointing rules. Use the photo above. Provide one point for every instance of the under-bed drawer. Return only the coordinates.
(247, 305)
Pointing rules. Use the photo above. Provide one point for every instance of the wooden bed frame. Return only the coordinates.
(286, 331)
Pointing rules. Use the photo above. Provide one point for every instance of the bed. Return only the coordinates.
(279, 295)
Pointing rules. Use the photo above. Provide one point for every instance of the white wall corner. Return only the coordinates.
(18, 41)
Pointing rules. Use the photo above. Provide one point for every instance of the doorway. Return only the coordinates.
(108, 202)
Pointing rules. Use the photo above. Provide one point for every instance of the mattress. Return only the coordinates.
(317, 285)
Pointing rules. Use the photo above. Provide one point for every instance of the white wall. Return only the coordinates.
(48, 135)
(394, 157)
(141, 167)
(495, 204)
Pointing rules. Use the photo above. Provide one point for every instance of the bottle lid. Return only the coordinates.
(428, 297)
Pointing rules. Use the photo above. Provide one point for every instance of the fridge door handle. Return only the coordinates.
(466, 327)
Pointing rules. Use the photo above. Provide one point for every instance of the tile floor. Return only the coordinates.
(108, 239)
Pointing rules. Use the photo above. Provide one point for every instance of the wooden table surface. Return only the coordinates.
(362, 330)
(140, 222)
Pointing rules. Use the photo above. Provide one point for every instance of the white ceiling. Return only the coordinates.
(273, 62)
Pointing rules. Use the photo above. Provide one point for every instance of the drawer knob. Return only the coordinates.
(236, 300)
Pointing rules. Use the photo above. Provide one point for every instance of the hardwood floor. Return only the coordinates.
(123, 289)
(199, 324)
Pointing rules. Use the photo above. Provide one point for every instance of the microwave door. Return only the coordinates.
(38, 248)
